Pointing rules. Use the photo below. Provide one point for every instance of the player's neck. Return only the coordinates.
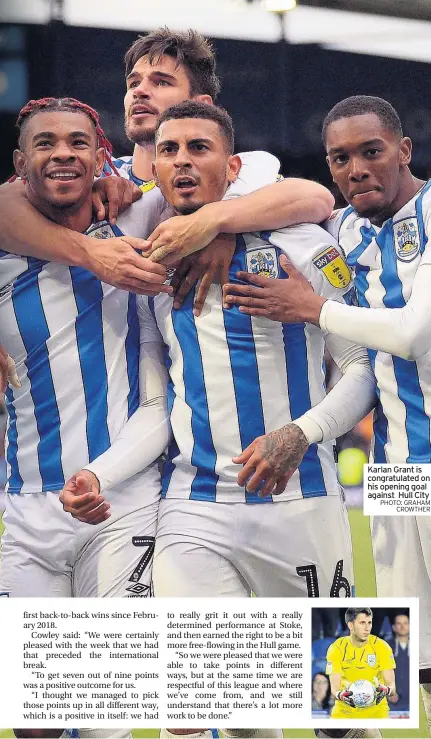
(403, 639)
(409, 187)
(143, 157)
(358, 642)
(76, 218)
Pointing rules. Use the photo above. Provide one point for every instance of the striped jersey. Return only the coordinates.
(75, 342)
(234, 377)
(385, 259)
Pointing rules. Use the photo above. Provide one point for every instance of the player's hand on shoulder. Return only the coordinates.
(210, 265)
(118, 262)
(345, 696)
(113, 195)
(82, 499)
(270, 460)
(179, 236)
(287, 301)
(381, 692)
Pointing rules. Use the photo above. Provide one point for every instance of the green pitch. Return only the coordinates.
(366, 587)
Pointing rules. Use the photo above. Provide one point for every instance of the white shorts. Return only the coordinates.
(294, 548)
(47, 553)
(402, 553)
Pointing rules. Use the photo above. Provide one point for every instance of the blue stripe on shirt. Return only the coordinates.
(380, 422)
(15, 480)
(393, 297)
(419, 213)
(132, 356)
(245, 371)
(34, 331)
(89, 336)
(295, 350)
(204, 455)
(417, 423)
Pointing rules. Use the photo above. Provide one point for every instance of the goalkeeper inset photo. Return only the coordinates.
(360, 663)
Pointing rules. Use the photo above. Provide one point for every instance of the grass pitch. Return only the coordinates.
(365, 587)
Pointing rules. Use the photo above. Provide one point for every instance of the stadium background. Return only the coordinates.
(277, 93)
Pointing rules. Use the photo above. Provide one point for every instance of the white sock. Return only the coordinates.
(253, 733)
(426, 699)
(165, 734)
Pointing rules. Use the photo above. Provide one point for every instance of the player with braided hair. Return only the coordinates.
(77, 349)
(76, 346)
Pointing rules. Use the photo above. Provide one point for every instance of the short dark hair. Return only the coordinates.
(188, 48)
(192, 109)
(352, 613)
(361, 105)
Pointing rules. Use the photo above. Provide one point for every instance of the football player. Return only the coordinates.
(385, 234)
(360, 656)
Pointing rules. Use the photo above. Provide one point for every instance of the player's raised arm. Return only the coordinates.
(281, 204)
(27, 232)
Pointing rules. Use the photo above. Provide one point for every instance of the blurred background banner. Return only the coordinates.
(281, 72)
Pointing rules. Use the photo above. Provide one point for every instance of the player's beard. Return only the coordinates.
(140, 136)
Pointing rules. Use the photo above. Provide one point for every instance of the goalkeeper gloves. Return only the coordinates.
(345, 696)
(382, 691)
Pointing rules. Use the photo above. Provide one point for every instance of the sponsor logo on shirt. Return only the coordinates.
(333, 266)
(371, 660)
(263, 262)
(406, 239)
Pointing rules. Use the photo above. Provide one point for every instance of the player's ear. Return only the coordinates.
(405, 150)
(234, 166)
(155, 177)
(100, 161)
(20, 163)
(203, 99)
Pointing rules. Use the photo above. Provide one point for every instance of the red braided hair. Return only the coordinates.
(67, 104)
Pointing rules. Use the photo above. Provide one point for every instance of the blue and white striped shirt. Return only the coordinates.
(75, 342)
(385, 260)
(234, 378)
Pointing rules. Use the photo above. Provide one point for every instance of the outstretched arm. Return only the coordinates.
(28, 233)
(284, 203)
(404, 332)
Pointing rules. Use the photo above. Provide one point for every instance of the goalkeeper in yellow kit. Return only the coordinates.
(360, 656)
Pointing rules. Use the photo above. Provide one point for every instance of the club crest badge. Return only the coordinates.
(406, 239)
(263, 262)
(333, 266)
(371, 660)
(101, 231)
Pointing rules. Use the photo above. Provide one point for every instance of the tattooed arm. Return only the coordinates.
(272, 458)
